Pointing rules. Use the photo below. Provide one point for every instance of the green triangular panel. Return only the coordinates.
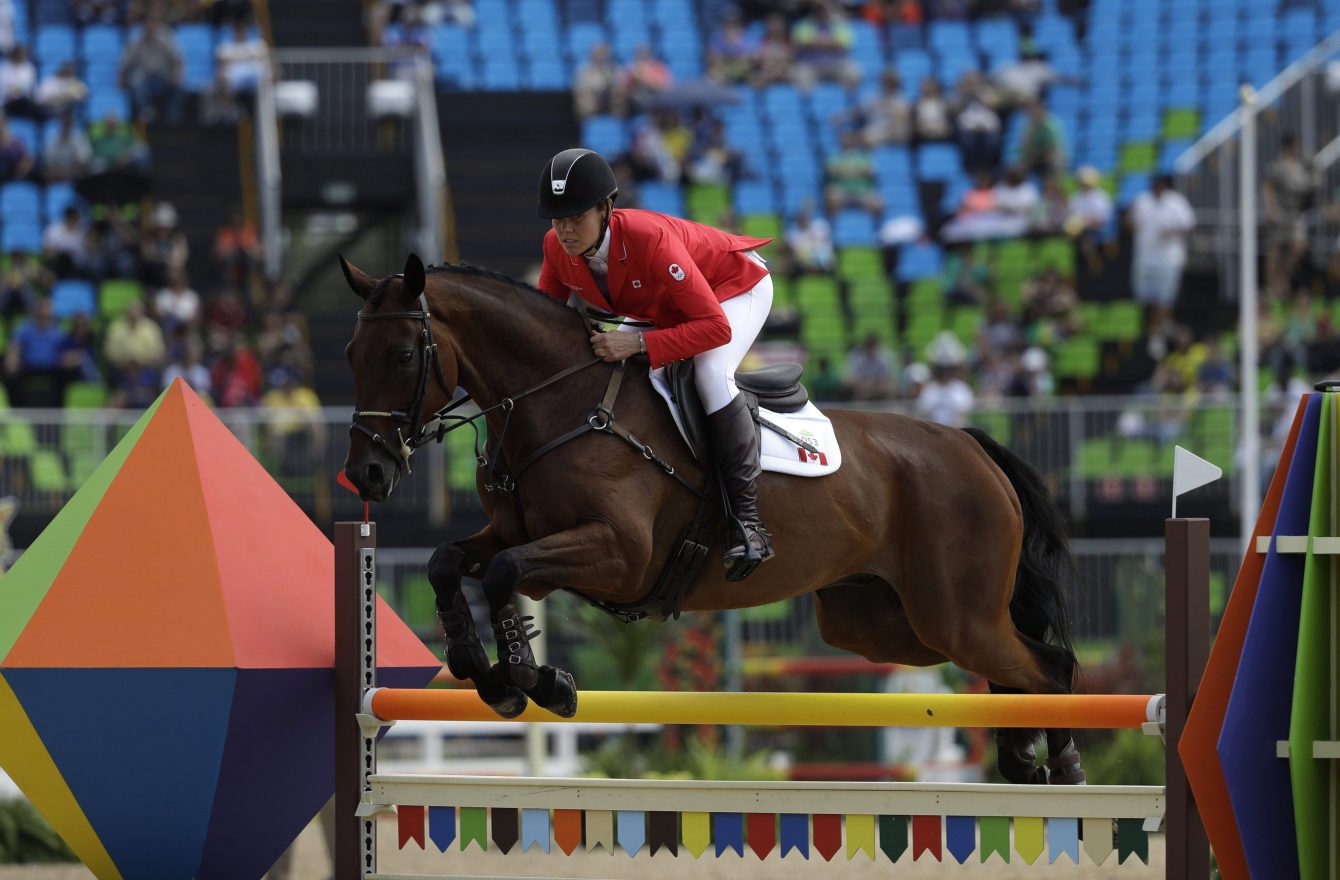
(1310, 717)
(24, 585)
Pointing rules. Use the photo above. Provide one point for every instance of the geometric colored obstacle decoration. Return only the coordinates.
(166, 658)
(1198, 748)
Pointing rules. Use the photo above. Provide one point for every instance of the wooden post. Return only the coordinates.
(1186, 567)
(355, 670)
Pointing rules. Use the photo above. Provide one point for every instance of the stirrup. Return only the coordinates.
(747, 554)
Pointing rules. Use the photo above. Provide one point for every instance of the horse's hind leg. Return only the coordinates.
(464, 651)
(587, 554)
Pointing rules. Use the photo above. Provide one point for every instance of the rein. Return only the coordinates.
(442, 422)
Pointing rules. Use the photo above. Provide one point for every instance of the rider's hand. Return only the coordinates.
(615, 346)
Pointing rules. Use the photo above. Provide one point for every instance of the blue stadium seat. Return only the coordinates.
(942, 35)
(1130, 187)
(547, 75)
(19, 203)
(581, 36)
(101, 42)
(797, 194)
(73, 297)
(606, 135)
(624, 11)
(919, 260)
(501, 74)
(101, 103)
(670, 12)
(755, 197)
(853, 228)
(55, 44)
(26, 130)
(664, 198)
(937, 161)
(57, 197)
(781, 102)
(21, 237)
(892, 163)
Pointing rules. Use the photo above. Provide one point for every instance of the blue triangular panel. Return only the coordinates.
(1260, 704)
(119, 738)
(728, 832)
(442, 827)
(1063, 839)
(279, 748)
(795, 834)
(535, 830)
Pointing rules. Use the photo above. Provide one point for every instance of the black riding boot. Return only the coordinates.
(735, 444)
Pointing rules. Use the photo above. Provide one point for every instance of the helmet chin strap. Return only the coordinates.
(604, 227)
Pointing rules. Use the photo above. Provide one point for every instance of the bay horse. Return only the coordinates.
(929, 544)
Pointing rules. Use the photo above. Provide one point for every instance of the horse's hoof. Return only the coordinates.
(556, 692)
(512, 703)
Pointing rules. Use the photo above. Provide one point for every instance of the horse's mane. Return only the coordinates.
(534, 293)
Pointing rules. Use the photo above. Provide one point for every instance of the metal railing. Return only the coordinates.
(1091, 451)
(269, 174)
(1299, 101)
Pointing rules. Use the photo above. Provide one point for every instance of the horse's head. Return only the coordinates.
(399, 381)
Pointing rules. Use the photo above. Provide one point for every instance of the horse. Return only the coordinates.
(929, 544)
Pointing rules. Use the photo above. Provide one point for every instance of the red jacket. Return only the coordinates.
(671, 272)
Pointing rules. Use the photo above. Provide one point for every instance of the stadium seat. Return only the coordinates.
(853, 228)
(19, 203)
(606, 135)
(73, 297)
(664, 198)
(16, 236)
(55, 44)
(115, 296)
(56, 197)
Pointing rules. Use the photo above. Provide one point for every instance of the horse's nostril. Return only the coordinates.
(373, 475)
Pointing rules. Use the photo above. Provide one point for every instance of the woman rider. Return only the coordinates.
(705, 292)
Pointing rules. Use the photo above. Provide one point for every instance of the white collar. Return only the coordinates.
(600, 260)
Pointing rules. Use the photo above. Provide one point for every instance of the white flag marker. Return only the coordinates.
(1190, 471)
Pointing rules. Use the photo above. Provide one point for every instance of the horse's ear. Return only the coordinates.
(359, 281)
(414, 277)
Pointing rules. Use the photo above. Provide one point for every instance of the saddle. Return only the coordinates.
(775, 387)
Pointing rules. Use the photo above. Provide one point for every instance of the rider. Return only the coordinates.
(705, 292)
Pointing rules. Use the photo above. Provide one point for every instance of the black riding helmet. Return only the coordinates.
(574, 181)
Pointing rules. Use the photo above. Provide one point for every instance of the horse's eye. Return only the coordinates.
(405, 357)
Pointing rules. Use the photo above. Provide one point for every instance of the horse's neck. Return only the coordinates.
(500, 351)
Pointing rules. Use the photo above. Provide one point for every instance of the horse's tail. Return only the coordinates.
(1046, 563)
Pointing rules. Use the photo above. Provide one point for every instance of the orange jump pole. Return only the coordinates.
(1100, 711)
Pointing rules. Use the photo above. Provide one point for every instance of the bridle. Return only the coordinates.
(442, 422)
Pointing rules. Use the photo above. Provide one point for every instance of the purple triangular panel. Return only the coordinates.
(279, 748)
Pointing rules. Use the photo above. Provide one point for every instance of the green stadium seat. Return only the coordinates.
(1181, 124)
(880, 325)
(17, 439)
(1013, 253)
(418, 603)
(870, 295)
(1135, 458)
(4, 395)
(997, 424)
(860, 263)
(114, 297)
(1121, 321)
(921, 330)
(783, 295)
(85, 395)
(817, 294)
(81, 468)
(763, 226)
(1057, 253)
(925, 291)
(1137, 157)
(461, 464)
(708, 202)
(48, 471)
(1095, 458)
(965, 321)
(1077, 358)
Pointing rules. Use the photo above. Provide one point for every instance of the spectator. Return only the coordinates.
(932, 112)
(117, 147)
(294, 420)
(32, 360)
(177, 304)
(16, 162)
(79, 352)
(948, 10)
(18, 84)
(870, 370)
(826, 385)
(68, 155)
(242, 60)
(711, 160)
(1000, 333)
(134, 342)
(236, 376)
(135, 386)
(851, 179)
(980, 198)
(61, 92)
(18, 295)
(237, 250)
(660, 148)
(187, 365)
(113, 246)
(1216, 376)
(164, 250)
(226, 316)
(65, 244)
(7, 30)
(885, 118)
(598, 86)
(1015, 194)
(732, 47)
(281, 341)
(809, 241)
(1162, 219)
(908, 13)
(1049, 214)
(646, 78)
(223, 12)
(88, 12)
(966, 280)
(151, 70)
(1088, 214)
(822, 42)
(946, 399)
(1034, 378)
(775, 53)
(1022, 82)
(217, 106)
(1050, 307)
(1285, 198)
(1043, 150)
(978, 133)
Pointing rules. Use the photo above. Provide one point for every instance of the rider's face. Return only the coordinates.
(577, 234)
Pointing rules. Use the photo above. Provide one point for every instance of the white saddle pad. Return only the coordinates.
(779, 454)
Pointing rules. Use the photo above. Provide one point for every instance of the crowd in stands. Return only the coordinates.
(101, 301)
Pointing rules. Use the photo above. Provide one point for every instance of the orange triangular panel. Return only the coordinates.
(144, 564)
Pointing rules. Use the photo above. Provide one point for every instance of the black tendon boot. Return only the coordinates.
(735, 444)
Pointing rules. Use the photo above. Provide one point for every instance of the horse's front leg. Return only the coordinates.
(587, 554)
(465, 655)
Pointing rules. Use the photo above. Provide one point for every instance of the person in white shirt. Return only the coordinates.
(65, 243)
(946, 399)
(61, 90)
(1162, 219)
(1088, 214)
(1016, 194)
(241, 60)
(18, 82)
(810, 241)
(177, 303)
